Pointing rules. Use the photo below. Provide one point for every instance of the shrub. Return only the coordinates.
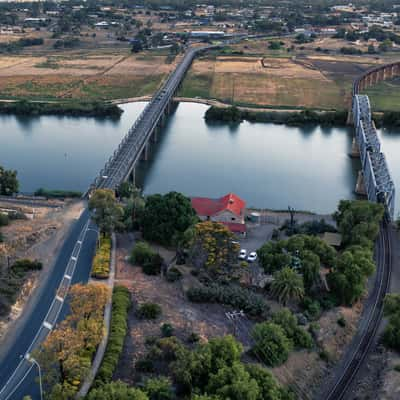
(121, 303)
(193, 338)
(101, 261)
(149, 311)
(24, 265)
(167, 330)
(159, 389)
(144, 365)
(173, 274)
(153, 267)
(141, 253)
(288, 322)
(271, 343)
(235, 296)
(324, 355)
(4, 220)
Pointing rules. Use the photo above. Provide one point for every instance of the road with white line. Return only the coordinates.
(73, 264)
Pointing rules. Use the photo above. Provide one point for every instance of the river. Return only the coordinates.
(270, 166)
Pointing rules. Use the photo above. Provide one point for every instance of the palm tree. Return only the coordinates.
(287, 285)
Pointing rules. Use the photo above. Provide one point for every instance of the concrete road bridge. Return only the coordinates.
(374, 180)
(135, 145)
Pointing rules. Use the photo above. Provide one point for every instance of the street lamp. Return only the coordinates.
(29, 358)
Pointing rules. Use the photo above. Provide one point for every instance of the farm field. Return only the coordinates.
(310, 81)
(84, 75)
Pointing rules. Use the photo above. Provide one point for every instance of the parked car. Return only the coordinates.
(243, 254)
(252, 257)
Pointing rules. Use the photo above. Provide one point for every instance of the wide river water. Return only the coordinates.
(270, 166)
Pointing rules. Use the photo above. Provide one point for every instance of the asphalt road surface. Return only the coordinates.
(18, 376)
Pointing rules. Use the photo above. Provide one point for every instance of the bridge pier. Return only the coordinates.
(132, 176)
(360, 185)
(355, 149)
(145, 153)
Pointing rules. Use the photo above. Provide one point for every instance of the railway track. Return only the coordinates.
(363, 341)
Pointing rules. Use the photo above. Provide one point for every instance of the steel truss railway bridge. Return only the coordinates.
(374, 180)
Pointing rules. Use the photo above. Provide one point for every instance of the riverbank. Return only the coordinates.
(74, 109)
(237, 115)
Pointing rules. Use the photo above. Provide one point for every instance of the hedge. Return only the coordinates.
(121, 302)
(101, 261)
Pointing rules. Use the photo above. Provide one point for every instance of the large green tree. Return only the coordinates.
(347, 279)
(106, 211)
(358, 221)
(233, 383)
(166, 217)
(8, 182)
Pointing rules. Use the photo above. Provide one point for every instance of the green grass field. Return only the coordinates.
(385, 96)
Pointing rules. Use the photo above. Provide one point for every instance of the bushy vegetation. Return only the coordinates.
(11, 281)
(308, 228)
(358, 222)
(15, 46)
(66, 355)
(391, 335)
(173, 274)
(288, 322)
(101, 261)
(233, 295)
(73, 109)
(9, 184)
(151, 262)
(235, 115)
(271, 343)
(141, 253)
(58, 194)
(116, 391)
(148, 311)
(121, 303)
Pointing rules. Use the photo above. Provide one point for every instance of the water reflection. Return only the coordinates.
(268, 165)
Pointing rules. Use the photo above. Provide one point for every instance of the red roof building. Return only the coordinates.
(229, 210)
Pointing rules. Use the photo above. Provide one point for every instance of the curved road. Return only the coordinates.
(73, 264)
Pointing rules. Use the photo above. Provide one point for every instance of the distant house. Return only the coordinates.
(228, 210)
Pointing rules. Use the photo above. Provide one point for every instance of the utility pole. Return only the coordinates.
(234, 317)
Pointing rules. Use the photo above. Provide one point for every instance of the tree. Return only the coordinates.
(287, 285)
(271, 343)
(8, 182)
(106, 212)
(272, 256)
(347, 280)
(268, 387)
(234, 383)
(358, 221)
(391, 335)
(213, 246)
(166, 217)
(116, 391)
(386, 45)
(65, 356)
